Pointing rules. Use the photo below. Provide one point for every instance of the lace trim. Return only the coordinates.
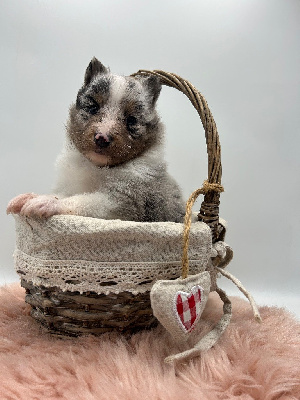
(100, 277)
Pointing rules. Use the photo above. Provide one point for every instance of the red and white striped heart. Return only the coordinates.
(178, 304)
(188, 307)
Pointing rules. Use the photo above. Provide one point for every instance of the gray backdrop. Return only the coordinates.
(242, 55)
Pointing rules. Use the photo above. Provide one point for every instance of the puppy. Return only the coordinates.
(111, 166)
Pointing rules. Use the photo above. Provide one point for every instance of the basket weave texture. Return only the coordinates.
(84, 275)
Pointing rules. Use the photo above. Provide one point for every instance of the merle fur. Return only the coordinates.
(132, 182)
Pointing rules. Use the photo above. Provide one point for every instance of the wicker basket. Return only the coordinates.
(92, 298)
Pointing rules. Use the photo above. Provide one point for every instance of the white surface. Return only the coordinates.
(242, 55)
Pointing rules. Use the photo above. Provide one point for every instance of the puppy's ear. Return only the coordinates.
(153, 86)
(94, 68)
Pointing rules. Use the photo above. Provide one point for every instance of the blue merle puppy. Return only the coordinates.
(111, 166)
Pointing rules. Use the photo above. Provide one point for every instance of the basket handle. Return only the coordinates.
(209, 211)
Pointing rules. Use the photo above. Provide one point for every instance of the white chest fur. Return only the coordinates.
(77, 175)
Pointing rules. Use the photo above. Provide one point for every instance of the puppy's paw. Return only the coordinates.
(16, 204)
(43, 207)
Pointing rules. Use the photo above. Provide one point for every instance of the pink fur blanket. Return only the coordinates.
(251, 360)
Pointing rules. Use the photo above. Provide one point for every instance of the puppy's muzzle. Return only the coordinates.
(102, 140)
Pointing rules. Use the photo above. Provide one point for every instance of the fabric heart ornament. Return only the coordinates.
(178, 304)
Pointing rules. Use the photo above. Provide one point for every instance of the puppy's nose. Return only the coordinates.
(102, 140)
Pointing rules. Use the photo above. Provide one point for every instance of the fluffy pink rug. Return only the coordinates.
(251, 361)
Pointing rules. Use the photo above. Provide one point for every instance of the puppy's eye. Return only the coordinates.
(133, 127)
(93, 109)
(131, 121)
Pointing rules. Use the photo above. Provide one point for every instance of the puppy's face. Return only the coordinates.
(114, 118)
